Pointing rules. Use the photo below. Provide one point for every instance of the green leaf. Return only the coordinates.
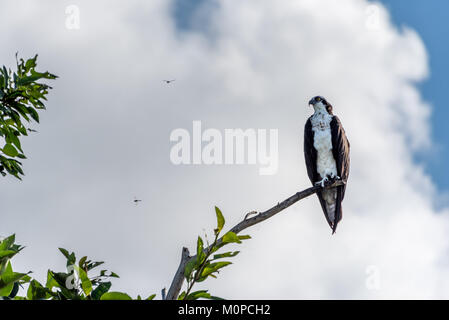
(93, 265)
(71, 259)
(51, 282)
(199, 250)
(230, 237)
(6, 290)
(5, 285)
(8, 278)
(25, 279)
(64, 252)
(86, 284)
(5, 77)
(198, 294)
(213, 267)
(100, 290)
(220, 221)
(36, 291)
(30, 79)
(182, 295)
(82, 261)
(33, 114)
(11, 278)
(60, 278)
(226, 255)
(15, 141)
(7, 242)
(9, 150)
(189, 268)
(114, 295)
(31, 63)
(7, 254)
(151, 297)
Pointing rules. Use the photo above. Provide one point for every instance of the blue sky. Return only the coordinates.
(429, 19)
(184, 11)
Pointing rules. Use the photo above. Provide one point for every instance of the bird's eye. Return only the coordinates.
(318, 99)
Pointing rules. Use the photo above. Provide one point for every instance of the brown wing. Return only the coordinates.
(310, 153)
(340, 149)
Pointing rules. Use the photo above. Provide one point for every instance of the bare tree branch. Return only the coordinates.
(178, 280)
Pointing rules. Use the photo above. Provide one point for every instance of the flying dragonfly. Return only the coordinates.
(169, 81)
(136, 201)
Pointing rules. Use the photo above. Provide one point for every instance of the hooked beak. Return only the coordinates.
(311, 102)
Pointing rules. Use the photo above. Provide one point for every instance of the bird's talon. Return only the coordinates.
(322, 183)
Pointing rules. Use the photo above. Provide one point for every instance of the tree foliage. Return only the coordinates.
(10, 280)
(75, 283)
(78, 283)
(21, 97)
(204, 264)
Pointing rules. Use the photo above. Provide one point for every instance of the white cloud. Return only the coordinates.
(105, 139)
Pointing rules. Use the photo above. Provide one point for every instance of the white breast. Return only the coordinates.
(323, 144)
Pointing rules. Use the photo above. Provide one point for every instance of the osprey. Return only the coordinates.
(326, 150)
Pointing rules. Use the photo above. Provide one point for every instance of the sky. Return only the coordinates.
(105, 139)
(429, 19)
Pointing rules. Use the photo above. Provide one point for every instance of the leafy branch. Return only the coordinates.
(21, 97)
(203, 265)
(76, 283)
(231, 236)
(10, 280)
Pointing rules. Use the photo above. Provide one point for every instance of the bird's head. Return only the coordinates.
(318, 102)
